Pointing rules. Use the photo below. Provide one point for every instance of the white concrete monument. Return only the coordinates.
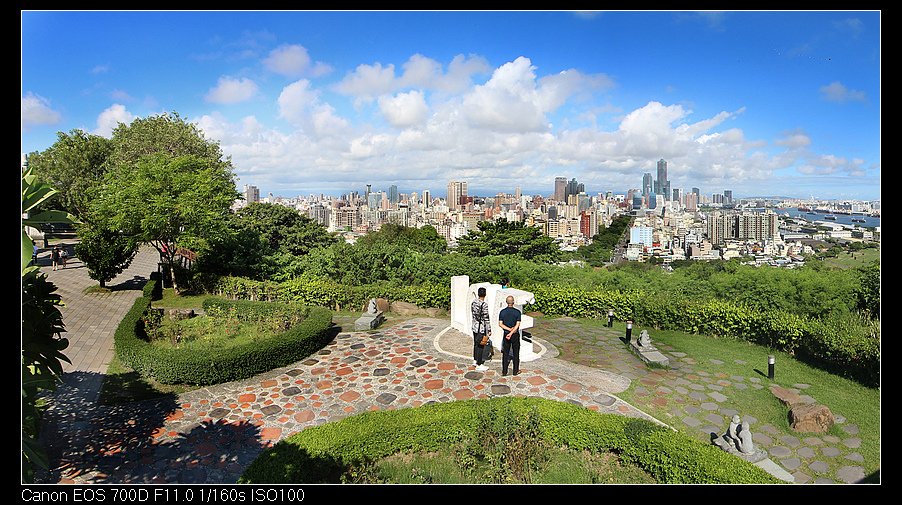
(462, 295)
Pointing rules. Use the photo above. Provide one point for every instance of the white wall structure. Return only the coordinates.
(462, 295)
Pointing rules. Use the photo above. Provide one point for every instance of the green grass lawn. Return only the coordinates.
(204, 332)
(860, 405)
(124, 385)
(562, 466)
(845, 260)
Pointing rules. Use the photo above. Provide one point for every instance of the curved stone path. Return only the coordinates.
(211, 434)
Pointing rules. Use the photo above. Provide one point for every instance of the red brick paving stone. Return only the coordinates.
(284, 419)
(344, 371)
(269, 383)
(304, 416)
(427, 394)
(550, 387)
(660, 402)
(560, 395)
(480, 387)
(373, 408)
(402, 401)
(267, 402)
(446, 390)
(373, 353)
(233, 405)
(247, 398)
(623, 408)
(463, 394)
(201, 414)
(270, 433)
(348, 409)
(411, 393)
(536, 380)
(175, 415)
(350, 396)
(446, 366)
(258, 416)
(327, 392)
(400, 375)
(314, 397)
(217, 404)
(318, 371)
(464, 383)
(159, 432)
(275, 395)
(172, 433)
(317, 405)
(534, 390)
(396, 381)
(204, 402)
(186, 405)
(593, 407)
(571, 387)
(402, 350)
(421, 370)
(416, 403)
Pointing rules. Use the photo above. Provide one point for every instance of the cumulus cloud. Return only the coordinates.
(36, 111)
(110, 118)
(404, 109)
(229, 90)
(100, 69)
(300, 105)
(837, 92)
(795, 140)
(293, 60)
(367, 82)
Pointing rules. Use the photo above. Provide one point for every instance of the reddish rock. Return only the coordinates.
(571, 387)
(269, 383)
(382, 305)
(175, 415)
(446, 366)
(810, 418)
(786, 396)
(270, 433)
(405, 309)
(304, 416)
(350, 396)
(247, 398)
(343, 371)
(536, 380)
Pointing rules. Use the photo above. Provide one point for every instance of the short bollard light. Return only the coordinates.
(611, 318)
(770, 367)
(629, 331)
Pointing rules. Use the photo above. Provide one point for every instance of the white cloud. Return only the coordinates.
(837, 92)
(100, 69)
(295, 100)
(369, 81)
(110, 118)
(294, 61)
(36, 111)
(852, 25)
(795, 140)
(229, 90)
(404, 109)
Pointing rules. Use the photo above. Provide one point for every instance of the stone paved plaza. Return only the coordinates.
(210, 435)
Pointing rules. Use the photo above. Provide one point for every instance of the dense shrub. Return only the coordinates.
(200, 367)
(319, 454)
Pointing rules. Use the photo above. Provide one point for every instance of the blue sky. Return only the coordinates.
(763, 103)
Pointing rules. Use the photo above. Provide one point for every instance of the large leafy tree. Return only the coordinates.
(74, 165)
(42, 322)
(509, 238)
(425, 239)
(168, 201)
(283, 230)
(106, 252)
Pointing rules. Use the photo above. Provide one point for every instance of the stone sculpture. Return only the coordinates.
(644, 339)
(746, 446)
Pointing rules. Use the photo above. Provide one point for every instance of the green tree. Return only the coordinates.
(169, 202)
(74, 165)
(425, 239)
(869, 290)
(283, 230)
(42, 323)
(105, 252)
(509, 238)
(165, 133)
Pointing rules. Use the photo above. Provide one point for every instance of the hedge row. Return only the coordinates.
(853, 350)
(186, 366)
(252, 312)
(322, 453)
(326, 293)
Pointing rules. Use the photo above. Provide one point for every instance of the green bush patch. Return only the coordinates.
(325, 453)
(200, 366)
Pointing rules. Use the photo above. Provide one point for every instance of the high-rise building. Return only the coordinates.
(427, 199)
(456, 190)
(637, 202)
(717, 198)
(692, 202)
(393, 194)
(560, 188)
(677, 195)
(369, 189)
(588, 223)
(652, 200)
(374, 200)
(728, 197)
(552, 212)
(517, 194)
(573, 188)
(663, 185)
(646, 184)
(697, 193)
(641, 235)
(319, 214)
(251, 194)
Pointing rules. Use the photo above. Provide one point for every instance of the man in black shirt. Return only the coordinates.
(510, 346)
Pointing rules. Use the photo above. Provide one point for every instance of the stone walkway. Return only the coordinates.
(694, 398)
(210, 435)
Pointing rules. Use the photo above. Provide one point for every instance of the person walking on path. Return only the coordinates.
(64, 255)
(479, 309)
(34, 252)
(510, 347)
(55, 256)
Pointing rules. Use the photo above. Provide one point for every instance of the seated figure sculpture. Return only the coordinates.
(746, 446)
(644, 339)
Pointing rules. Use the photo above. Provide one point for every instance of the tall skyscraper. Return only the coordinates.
(646, 184)
(251, 194)
(692, 201)
(369, 189)
(427, 199)
(663, 185)
(393, 194)
(677, 195)
(517, 194)
(560, 188)
(456, 189)
(697, 192)
(728, 197)
(573, 188)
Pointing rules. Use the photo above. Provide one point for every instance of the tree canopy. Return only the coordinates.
(509, 238)
(74, 165)
(425, 239)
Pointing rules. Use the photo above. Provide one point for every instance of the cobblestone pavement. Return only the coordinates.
(211, 434)
(696, 398)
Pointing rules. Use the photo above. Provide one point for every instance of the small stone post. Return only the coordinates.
(770, 367)
(610, 318)
(629, 331)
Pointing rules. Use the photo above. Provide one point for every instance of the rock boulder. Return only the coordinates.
(405, 309)
(810, 418)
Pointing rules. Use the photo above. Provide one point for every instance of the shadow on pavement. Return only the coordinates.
(135, 283)
(126, 443)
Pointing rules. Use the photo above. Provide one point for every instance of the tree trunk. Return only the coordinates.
(102, 283)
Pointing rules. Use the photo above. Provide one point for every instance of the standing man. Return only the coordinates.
(479, 309)
(510, 346)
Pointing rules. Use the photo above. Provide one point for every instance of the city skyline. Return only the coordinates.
(760, 103)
